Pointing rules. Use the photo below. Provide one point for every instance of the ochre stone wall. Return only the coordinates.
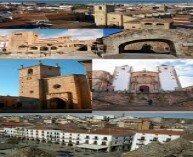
(39, 84)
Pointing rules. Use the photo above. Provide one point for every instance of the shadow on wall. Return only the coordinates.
(31, 105)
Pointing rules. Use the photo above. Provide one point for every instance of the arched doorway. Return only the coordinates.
(159, 46)
(57, 103)
(144, 89)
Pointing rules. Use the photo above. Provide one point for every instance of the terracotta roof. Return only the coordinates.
(157, 20)
(164, 132)
(182, 16)
(98, 131)
(15, 124)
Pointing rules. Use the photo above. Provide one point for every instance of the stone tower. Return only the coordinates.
(32, 92)
(169, 80)
(100, 13)
(19, 41)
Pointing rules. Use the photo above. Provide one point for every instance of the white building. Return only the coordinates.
(168, 78)
(121, 78)
(106, 140)
(149, 136)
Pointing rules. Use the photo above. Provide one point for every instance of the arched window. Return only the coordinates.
(30, 71)
(56, 86)
(44, 48)
(33, 48)
(54, 48)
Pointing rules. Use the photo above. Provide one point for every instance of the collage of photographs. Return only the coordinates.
(96, 78)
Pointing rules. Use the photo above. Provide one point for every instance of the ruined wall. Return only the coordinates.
(101, 80)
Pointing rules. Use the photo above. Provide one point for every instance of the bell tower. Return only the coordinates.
(100, 13)
(32, 84)
(168, 77)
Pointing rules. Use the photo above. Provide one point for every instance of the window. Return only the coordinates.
(148, 24)
(100, 8)
(31, 91)
(30, 71)
(160, 24)
(95, 142)
(86, 142)
(54, 48)
(56, 86)
(96, 138)
(33, 48)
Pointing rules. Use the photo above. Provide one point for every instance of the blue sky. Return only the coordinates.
(81, 34)
(107, 32)
(9, 81)
(184, 67)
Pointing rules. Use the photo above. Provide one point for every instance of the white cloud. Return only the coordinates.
(83, 34)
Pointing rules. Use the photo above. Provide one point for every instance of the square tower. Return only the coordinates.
(100, 13)
(121, 78)
(168, 77)
(32, 88)
(19, 41)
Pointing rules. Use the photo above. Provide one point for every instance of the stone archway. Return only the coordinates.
(179, 41)
(144, 89)
(159, 46)
(57, 103)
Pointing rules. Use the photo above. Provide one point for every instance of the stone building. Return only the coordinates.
(106, 15)
(31, 43)
(135, 124)
(165, 79)
(88, 66)
(43, 87)
(172, 42)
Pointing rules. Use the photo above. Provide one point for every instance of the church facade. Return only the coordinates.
(43, 87)
(128, 80)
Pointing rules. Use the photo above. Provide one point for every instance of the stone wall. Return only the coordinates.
(179, 38)
(101, 80)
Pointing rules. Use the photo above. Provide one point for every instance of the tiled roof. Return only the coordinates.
(164, 132)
